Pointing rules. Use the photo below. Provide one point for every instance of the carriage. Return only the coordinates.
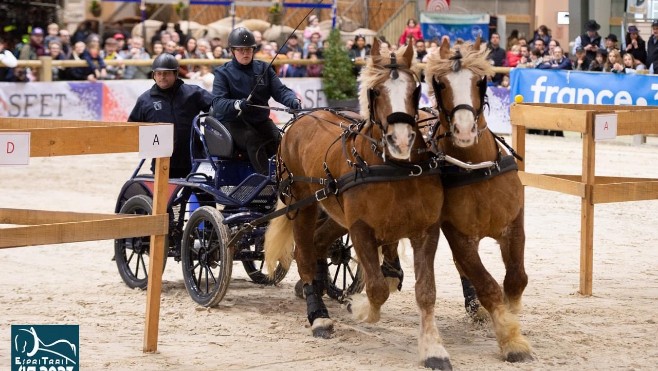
(206, 211)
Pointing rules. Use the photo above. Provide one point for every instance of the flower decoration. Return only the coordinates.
(275, 8)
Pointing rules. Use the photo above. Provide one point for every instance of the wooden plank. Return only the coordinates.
(587, 210)
(518, 18)
(553, 183)
(12, 123)
(548, 118)
(31, 217)
(90, 230)
(637, 122)
(625, 191)
(157, 256)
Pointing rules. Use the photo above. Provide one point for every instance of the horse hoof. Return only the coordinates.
(436, 363)
(518, 357)
(348, 305)
(299, 289)
(322, 328)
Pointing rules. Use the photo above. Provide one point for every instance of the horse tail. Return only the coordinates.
(279, 242)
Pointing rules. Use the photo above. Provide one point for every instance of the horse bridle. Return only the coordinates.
(439, 86)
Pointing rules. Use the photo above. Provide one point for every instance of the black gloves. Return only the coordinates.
(296, 104)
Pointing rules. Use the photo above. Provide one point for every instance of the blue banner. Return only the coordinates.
(463, 26)
(576, 87)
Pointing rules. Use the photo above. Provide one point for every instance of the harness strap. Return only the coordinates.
(453, 176)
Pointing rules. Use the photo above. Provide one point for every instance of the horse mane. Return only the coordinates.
(471, 59)
(375, 73)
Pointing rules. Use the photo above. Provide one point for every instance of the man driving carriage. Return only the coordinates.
(171, 100)
(241, 84)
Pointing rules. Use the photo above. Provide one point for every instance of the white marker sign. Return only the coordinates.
(605, 126)
(156, 141)
(14, 148)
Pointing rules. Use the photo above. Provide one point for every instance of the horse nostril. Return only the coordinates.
(412, 137)
(390, 139)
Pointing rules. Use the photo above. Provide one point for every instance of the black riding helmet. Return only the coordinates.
(165, 62)
(241, 37)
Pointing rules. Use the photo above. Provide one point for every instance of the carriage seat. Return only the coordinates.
(219, 139)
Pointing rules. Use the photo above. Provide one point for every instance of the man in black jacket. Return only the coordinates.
(590, 41)
(652, 47)
(171, 100)
(234, 93)
(497, 56)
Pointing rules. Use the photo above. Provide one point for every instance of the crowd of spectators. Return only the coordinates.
(590, 52)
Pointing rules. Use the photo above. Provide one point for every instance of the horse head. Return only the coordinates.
(459, 83)
(389, 92)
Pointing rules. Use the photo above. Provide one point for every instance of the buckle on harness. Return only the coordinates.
(420, 171)
(320, 195)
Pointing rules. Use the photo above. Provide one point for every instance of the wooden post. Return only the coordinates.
(46, 69)
(518, 143)
(587, 209)
(156, 257)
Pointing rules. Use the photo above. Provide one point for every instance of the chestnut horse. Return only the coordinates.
(481, 203)
(323, 146)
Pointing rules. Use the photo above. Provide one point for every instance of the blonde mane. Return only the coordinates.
(471, 59)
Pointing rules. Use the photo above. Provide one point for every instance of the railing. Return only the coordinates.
(45, 64)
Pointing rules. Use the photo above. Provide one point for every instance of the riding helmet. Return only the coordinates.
(165, 62)
(241, 37)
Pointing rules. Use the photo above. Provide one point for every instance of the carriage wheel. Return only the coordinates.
(345, 273)
(254, 268)
(132, 254)
(206, 259)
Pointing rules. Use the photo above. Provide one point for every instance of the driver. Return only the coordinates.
(251, 128)
(171, 100)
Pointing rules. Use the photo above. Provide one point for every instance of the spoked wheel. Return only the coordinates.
(206, 258)
(132, 254)
(255, 267)
(345, 273)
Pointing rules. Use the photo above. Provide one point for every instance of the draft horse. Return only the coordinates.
(368, 177)
(479, 203)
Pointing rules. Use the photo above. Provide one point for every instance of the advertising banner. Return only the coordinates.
(464, 26)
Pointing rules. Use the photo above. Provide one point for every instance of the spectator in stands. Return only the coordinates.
(541, 33)
(312, 27)
(157, 36)
(203, 49)
(32, 51)
(630, 64)
(599, 61)
(512, 39)
(579, 62)
(138, 52)
(171, 100)
(265, 53)
(93, 57)
(65, 40)
(412, 29)
(53, 34)
(110, 53)
(121, 42)
(652, 48)
(178, 34)
(316, 39)
(9, 62)
(218, 52)
(635, 45)
(293, 69)
(536, 58)
(524, 51)
(55, 52)
(614, 62)
(421, 50)
(81, 33)
(558, 61)
(158, 48)
(497, 56)
(259, 39)
(80, 73)
(314, 49)
(189, 52)
(292, 45)
(551, 46)
(514, 56)
(539, 45)
(359, 52)
(611, 42)
(314, 70)
(171, 47)
(591, 41)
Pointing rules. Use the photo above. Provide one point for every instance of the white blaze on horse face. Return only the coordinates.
(400, 136)
(464, 129)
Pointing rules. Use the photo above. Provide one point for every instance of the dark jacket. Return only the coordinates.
(652, 50)
(234, 81)
(585, 40)
(178, 105)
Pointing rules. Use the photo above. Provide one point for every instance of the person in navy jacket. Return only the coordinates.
(171, 100)
(557, 62)
(234, 94)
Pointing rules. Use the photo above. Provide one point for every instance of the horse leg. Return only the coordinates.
(512, 246)
(471, 302)
(365, 245)
(391, 267)
(430, 348)
(307, 257)
(514, 346)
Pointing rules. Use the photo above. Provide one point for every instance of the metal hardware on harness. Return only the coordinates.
(420, 171)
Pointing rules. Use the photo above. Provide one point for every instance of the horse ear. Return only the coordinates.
(444, 49)
(374, 51)
(408, 55)
(476, 46)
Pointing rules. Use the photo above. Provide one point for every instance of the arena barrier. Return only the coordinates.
(594, 122)
(68, 138)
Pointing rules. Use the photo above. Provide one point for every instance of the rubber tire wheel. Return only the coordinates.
(345, 274)
(205, 256)
(133, 267)
(254, 268)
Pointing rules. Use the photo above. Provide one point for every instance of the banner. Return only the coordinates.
(636, 6)
(576, 87)
(437, 5)
(463, 26)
